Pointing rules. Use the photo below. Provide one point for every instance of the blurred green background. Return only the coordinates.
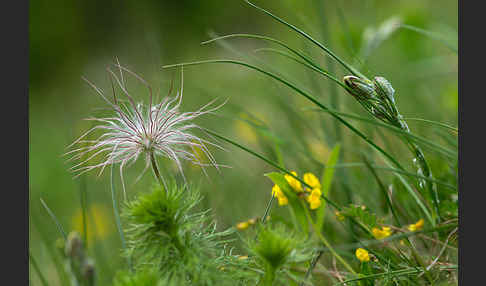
(71, 39)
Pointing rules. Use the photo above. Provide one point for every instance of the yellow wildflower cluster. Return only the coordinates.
(384, 232)
(245, 224)
(314, 198)
(311, 180)
(416, 226)
(362, 255)
(293, 182)
(277, 192)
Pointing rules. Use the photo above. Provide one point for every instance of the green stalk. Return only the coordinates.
(309, 97)
(156, 171)
(117, 217)
(37, 270)
(343, 63)
(326, 243)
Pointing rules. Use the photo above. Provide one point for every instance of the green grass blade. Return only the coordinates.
(303, 93)
(268, 161)
(384, 191)
(54, 218)
(310, 66)
(443, 150)
(116, 213)
(84, 208)
(326, 182)
(440, 124)
(37, 270)
(410, 174)
(411, 191)
(306, 58)
(329, 52)
(431, 35)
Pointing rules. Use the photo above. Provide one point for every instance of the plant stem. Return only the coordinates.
(326, 243)
(422, 168)
(37, 270)
(156, 171)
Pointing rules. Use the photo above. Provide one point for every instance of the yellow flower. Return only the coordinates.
(311, 180)
(277, 192)
(384, 232)
(314, 199)
(246, 132)
(252, 221)
(339, 215)
(98, 224)
(362, 255)
(243, 257)
(416, 226)
(293, 182)
(242, 225)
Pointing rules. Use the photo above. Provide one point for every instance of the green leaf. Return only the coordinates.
(294, 201)
(326, 181)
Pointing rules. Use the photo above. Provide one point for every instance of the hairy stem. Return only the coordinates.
(156, 171)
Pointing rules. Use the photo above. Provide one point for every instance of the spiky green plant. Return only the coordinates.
(166, 231)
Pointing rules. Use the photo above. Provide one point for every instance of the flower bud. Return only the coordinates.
(360, 88)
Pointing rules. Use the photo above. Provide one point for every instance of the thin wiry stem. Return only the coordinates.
(156, 171)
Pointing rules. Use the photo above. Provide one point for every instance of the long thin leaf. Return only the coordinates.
(326, 182)
(303, 93)
(116, 213)
(445, 151)
(432, 35)
(54, 218)
(329, 52)
(37, 270)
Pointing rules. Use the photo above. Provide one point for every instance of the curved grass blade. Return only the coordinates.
(326, 180)
(84, 202)
(54, 218)
(432, 35)
(418, 139)
(383, 190)
(311, 66)
(329, 52)
(117, 216)
(440, 124)
(307, 59)
(37, 270)
(303, 93)
(267, 161)
(438, 182)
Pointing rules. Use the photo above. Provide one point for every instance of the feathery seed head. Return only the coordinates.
(148, 130)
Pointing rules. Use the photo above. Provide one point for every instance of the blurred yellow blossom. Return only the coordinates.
(384, 232)
(311, 180)
(339, 215)
(244, 130)
(416, 226)
(362, 255)
(293, 182)
(98, 224)
(319, 150)
(277, 192)
(242, 225)
(314, 199)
